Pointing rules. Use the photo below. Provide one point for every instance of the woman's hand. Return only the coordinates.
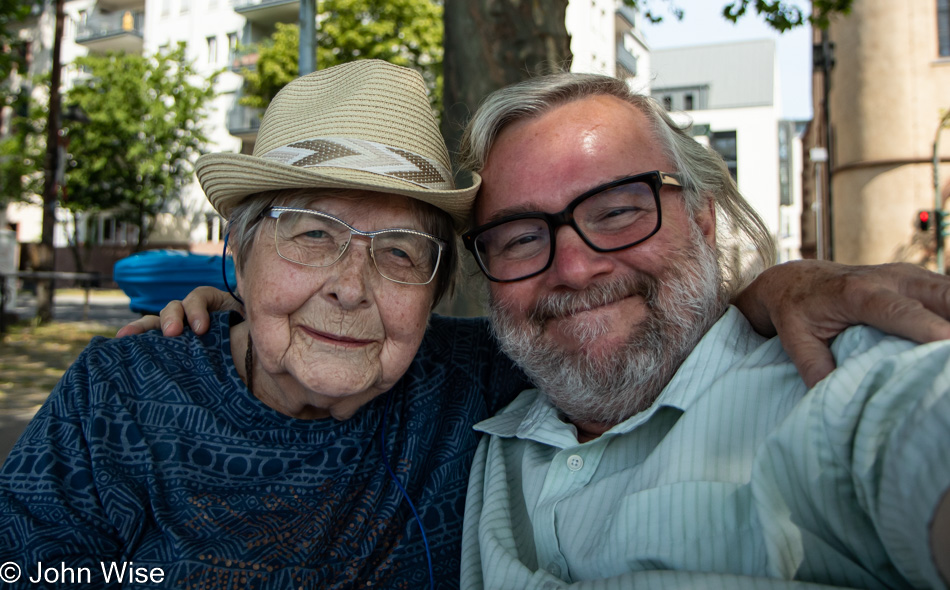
(808, 302)
(195, 308)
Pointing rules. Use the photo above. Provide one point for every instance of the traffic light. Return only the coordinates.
(938, 219)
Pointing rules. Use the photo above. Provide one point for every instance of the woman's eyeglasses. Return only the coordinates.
(314, 238)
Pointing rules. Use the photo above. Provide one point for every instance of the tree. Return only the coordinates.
(135, 153)
(15, 165)
(11, 13)
(403, 32)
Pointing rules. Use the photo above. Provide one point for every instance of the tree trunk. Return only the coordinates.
(490, 44)
(44, 287)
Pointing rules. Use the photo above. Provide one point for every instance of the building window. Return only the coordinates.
(107, 230)
(687, 102)
(212, 49)
(184, 7)
(166, 7)
(668, 102)
(943, 27)
(724, 142)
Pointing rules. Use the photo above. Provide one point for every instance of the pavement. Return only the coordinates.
(110, 308)
(107, 308)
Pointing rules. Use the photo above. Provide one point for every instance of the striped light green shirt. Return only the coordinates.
(734, 478)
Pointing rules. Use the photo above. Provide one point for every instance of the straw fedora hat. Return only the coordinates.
(362, 125)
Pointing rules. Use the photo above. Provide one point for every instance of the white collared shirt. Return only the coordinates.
(726, 481)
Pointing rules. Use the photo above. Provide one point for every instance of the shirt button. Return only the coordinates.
(575, 462)
(555, 569)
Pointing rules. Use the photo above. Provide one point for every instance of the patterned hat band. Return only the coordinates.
(365, 156)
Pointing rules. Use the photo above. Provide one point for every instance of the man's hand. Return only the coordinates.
(808, 302)
(195, 308)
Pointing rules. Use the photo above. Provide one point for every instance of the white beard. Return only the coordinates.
(607, 389)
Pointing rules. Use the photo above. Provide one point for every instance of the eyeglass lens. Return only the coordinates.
(314, 240)
(610, 219)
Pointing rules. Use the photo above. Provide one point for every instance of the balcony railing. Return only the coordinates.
(626, 61)
(628, 14)
(113, 5)
(118, 31)
(243, 58)
(244, 121)
(268, 12)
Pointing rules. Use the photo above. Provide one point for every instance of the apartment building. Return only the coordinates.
(221, 34)
(735, 109)
(606, 38)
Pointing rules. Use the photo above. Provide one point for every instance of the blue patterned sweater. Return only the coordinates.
(152, 453)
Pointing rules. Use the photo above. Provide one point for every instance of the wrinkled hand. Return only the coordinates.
(808, 302)
(195, 308)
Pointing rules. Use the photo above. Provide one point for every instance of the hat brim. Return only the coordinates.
(227, 179)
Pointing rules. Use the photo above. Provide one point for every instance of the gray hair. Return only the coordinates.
(744, 245)
(245, 221)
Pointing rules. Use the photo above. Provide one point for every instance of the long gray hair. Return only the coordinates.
(744, 245)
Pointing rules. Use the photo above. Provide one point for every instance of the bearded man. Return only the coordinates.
(667, 444)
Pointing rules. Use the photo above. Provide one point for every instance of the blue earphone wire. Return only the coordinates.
(382, 448)
(224, 270)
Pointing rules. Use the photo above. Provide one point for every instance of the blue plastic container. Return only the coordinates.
(153, 278)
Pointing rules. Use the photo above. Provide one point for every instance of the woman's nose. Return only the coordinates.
(349, 281)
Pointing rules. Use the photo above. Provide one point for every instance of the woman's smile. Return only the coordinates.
(336, 339)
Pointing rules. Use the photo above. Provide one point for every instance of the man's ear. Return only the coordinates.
(705, 218)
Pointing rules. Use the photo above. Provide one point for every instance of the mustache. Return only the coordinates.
(563, 304)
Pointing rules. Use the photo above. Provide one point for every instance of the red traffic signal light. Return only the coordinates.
(923, 220)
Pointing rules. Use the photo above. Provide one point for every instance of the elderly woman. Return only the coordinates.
(323, 441)
(326, 440)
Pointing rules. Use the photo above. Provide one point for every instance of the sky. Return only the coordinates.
(703, 24)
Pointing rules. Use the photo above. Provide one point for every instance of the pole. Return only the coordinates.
(44, 288)
(938, 200)
(819, 156)
(306, 61)
(827, 63)
(819, 215)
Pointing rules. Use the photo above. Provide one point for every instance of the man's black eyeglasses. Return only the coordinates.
(610, 217)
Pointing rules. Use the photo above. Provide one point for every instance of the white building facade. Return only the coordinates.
(730, 94)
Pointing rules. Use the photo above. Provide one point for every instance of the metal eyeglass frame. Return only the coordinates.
(275, 213)
(654, 179)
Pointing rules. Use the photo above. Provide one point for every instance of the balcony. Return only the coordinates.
(243, 122)
(626, 62)
(117, 31)
(242, 59)
(268, 12)
(628, 14)
(113, 5)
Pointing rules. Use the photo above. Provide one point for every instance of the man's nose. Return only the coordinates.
(576, 264)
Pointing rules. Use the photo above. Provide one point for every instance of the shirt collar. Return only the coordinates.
(532, 415)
